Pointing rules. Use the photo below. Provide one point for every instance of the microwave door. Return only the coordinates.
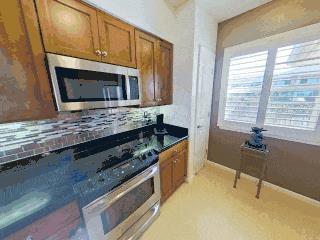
(81, 84)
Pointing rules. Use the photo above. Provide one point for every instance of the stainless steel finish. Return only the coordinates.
(92, 211)
(55, 60)
(29, 237)
(142, 224)
(98, 52)
(104, 53)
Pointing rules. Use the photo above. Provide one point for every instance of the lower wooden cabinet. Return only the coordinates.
(58, 225)
(173, 169)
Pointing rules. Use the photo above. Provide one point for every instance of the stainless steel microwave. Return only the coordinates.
(81, 84)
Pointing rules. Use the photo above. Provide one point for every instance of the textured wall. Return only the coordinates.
(24, 139)
(294, 166)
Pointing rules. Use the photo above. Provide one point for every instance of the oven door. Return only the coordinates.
(110, 216)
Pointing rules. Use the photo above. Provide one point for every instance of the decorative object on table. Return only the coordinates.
(256, 138)
(254, 161)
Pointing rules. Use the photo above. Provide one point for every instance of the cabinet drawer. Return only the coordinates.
(174, 150)
(49, 225)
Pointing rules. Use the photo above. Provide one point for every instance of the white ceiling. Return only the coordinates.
(223, 9)
(176, 3)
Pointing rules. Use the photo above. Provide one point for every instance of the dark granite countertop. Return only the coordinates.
(44, 183)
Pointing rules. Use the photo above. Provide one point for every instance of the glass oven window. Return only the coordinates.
(125, 206)
(84, 86)
(134, 87)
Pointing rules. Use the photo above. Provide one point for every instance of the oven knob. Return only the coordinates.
(144, 157)
(150, 153)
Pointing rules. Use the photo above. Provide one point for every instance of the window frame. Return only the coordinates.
(270, 44)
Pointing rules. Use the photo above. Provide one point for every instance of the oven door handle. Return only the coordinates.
(101, 203)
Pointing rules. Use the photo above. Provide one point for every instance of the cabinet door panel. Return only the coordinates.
(69, 27)
(25, 92)
(179, 168)
(146, 47)
(166, 178)
(164, 77)
(51, 226)
(117, 40)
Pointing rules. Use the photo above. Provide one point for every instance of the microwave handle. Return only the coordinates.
(128, 87)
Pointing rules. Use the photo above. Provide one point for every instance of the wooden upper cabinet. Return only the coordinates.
(117, 41)
(164, 76)
(25, 92)
(69, 27)
(147, 50)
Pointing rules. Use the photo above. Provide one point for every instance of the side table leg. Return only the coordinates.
(236, 179)
(263, 173)
(259, 188)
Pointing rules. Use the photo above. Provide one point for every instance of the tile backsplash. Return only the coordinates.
(24, 139)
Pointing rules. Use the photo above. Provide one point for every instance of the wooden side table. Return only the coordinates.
(253, 161)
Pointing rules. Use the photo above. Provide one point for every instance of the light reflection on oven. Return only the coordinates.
(125, 206)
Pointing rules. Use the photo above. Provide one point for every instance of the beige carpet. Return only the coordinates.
(209, 208)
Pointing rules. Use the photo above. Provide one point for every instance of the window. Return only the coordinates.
(245, 80)
(295, 93)
(274, 83)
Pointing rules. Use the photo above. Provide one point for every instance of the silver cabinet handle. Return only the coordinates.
(98, 52)
(104, 53)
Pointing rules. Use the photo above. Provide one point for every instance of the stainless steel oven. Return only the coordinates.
(81, 84)
(128, 210)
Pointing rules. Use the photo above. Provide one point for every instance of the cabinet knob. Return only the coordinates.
(104, 53)
(98, 52)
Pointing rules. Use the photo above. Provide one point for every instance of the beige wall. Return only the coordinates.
(294, 166)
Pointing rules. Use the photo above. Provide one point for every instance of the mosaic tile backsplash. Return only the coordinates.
(25, 139)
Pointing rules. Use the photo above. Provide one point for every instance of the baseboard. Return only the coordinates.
(189, 179)
(275, 187)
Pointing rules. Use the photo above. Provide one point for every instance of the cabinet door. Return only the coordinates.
(70, 28)
(146, 47)
(56, 225)
(166, 179)
(25, 92)
(164, 77)
(117, 41)
(179, 168)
